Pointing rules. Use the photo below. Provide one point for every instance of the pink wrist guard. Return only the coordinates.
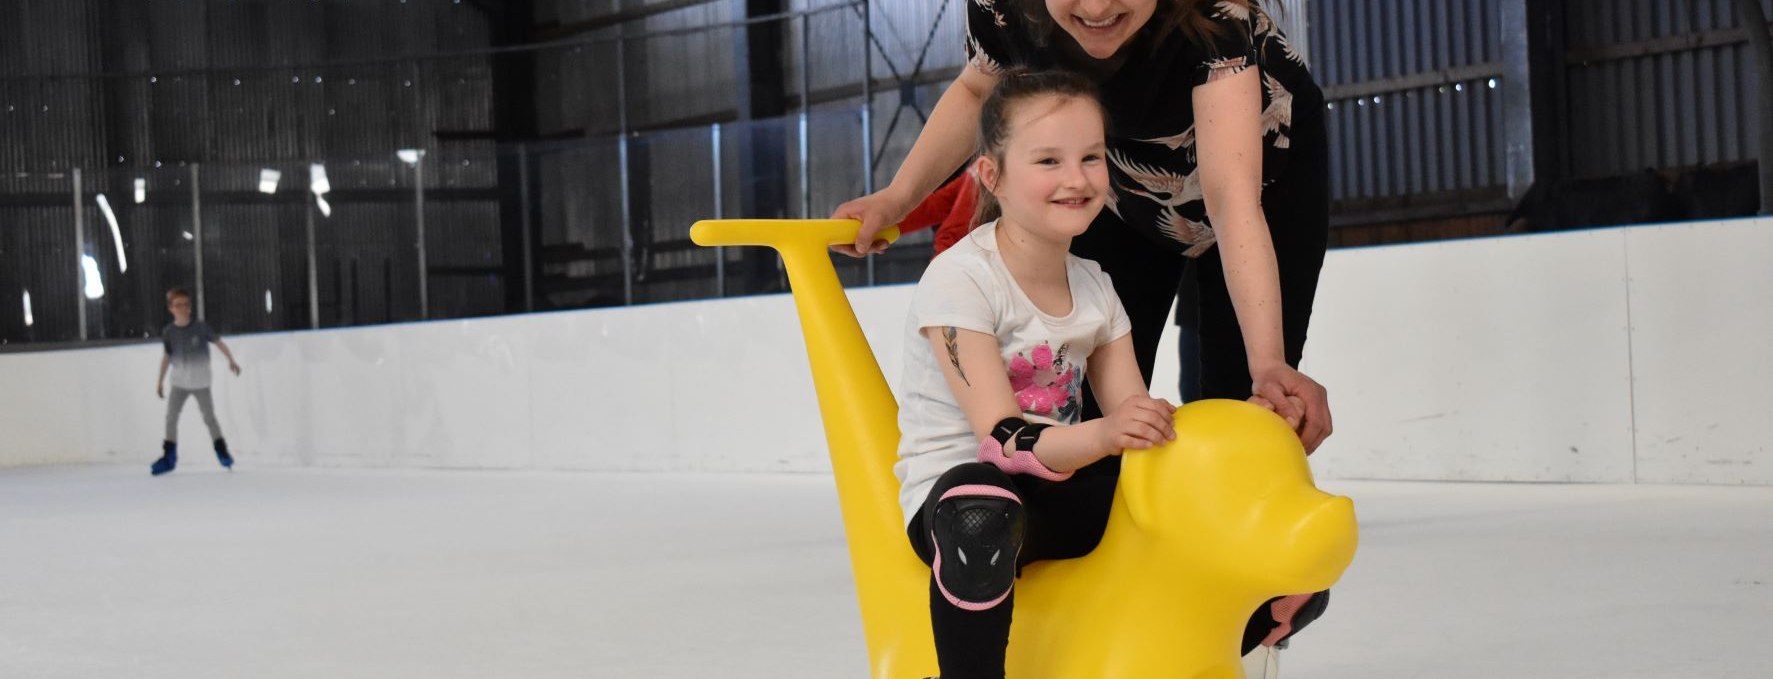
(1010, 447)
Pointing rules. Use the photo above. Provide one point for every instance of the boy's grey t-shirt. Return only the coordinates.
(188, 347)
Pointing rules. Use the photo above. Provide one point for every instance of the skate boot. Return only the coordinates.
(221, 454)
(169, 459)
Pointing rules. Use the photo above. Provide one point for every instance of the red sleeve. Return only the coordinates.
(959, 221)
(932, 210)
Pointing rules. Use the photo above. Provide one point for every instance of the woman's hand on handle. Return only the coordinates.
(877, 211)
(946, 142)
(1296, 397)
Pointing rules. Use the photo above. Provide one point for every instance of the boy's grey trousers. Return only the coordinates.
(175, 403)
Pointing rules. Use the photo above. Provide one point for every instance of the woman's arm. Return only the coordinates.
(1227, 119)
(948, 139)
(1229, 132)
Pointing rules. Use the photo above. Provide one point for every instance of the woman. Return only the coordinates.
(1217, 152)
(1213, 117)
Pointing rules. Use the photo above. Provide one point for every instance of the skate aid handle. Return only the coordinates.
(782, 234)
(861, 428)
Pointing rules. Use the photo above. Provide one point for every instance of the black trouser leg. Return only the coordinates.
(1145, 278)
(1063, 520)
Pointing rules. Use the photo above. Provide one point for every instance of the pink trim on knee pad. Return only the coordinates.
(1283, 612)
(1016, 461)
(980, 490)
(969, 490)
(975, 606)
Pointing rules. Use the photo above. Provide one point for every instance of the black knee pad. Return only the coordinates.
(977, 533)
(1312, 610)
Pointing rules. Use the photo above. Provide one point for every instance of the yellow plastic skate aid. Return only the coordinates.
(1202, 531)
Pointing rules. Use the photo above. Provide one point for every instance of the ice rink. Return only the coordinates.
(269, 572)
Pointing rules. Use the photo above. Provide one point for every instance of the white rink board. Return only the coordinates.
(1702, 309)
(1515, 359)
(1502, 359)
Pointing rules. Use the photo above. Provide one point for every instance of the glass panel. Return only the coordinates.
(40, 281)
(140, 233)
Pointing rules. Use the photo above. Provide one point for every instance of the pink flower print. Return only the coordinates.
(1042, 385)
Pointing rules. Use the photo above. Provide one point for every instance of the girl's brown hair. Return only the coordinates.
(1015, 87)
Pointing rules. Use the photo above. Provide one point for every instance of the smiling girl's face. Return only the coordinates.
(1052, 176)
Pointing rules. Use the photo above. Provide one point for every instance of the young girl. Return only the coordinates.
(1006, 324)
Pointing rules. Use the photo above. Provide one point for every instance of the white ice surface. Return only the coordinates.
(271, 573)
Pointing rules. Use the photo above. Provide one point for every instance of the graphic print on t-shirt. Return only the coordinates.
(1045, 383)
(187, 353)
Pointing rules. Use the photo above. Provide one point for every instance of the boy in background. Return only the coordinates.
(187, 354)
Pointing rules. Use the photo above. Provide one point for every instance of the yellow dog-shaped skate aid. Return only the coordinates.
(1202, 531)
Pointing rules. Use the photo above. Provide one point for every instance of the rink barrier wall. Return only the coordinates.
(1607, 356)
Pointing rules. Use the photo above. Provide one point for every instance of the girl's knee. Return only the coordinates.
(976, 532)
(975, 473)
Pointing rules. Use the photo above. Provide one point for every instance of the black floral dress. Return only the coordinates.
(1156, 215)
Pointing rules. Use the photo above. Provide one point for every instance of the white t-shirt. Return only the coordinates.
(968, 287)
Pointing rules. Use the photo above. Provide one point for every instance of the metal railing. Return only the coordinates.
(387, 201)
(410, 235)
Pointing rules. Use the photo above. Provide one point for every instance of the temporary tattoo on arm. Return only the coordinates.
(950, 336)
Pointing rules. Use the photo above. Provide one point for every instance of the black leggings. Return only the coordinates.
(1065, 520)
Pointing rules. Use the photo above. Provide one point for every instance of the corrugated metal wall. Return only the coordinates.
(86, 82)
(1413, 95)
(1658, 84)
(1416, 107)
(134, 90)
(680, 64)
(680, 70)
